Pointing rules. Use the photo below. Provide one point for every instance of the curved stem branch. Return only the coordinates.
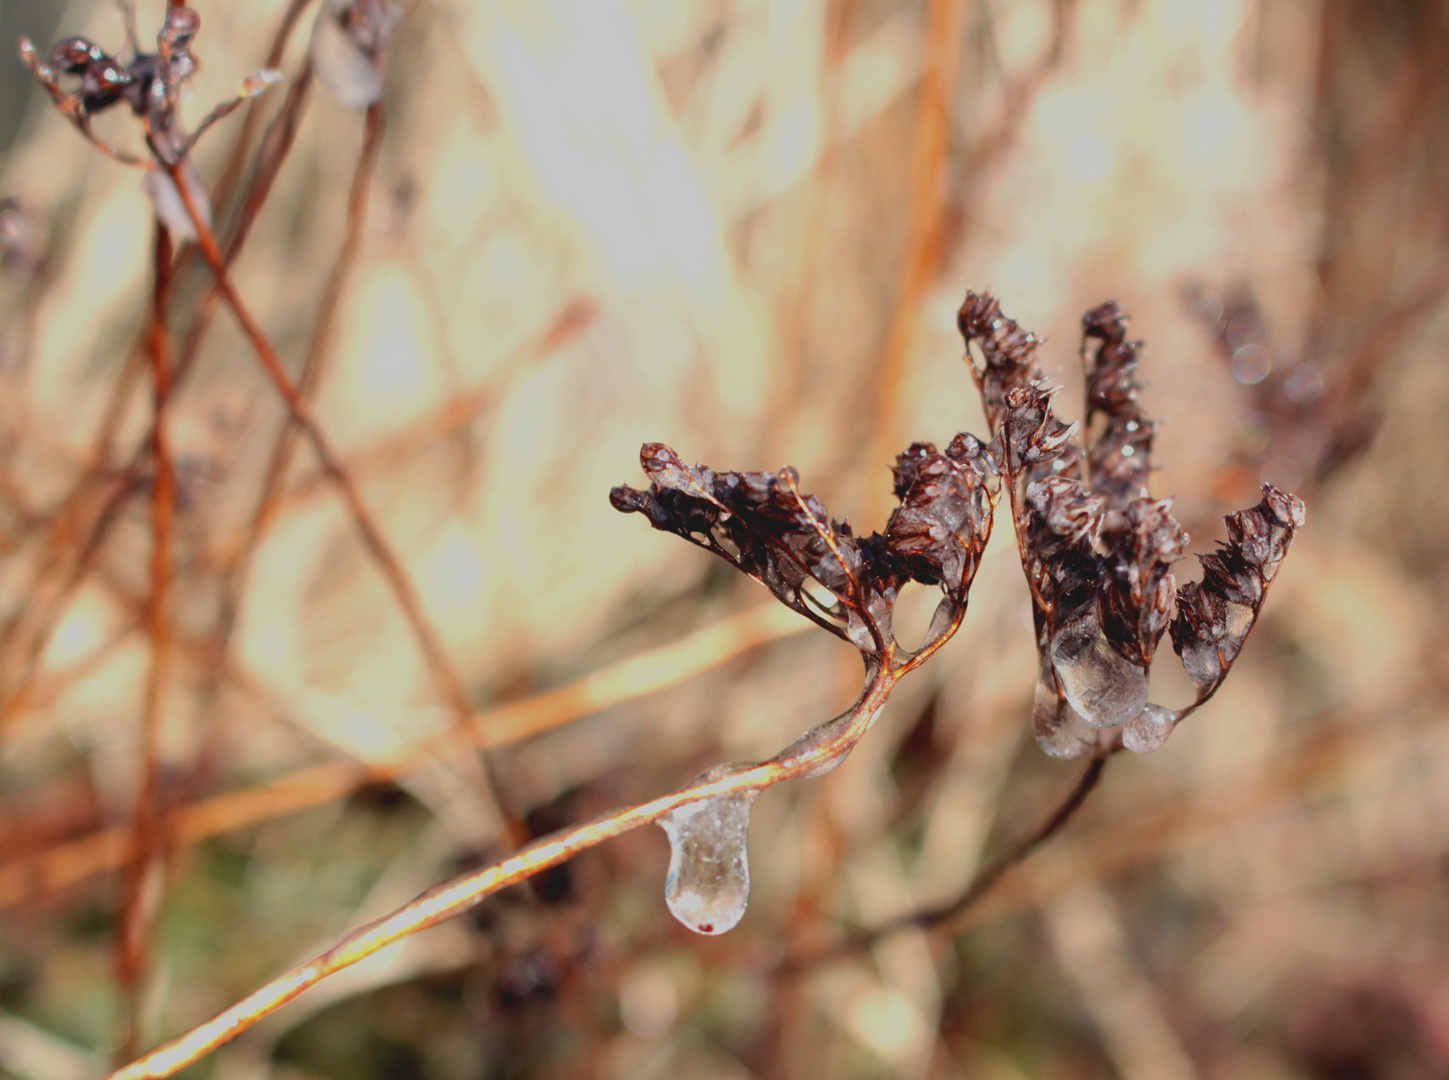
(457, 896)
(948, 916)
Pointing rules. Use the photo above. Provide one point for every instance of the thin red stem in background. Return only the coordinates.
(143, 879)
(235, 572)
(429, 643)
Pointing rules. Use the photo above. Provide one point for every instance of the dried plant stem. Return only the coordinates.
(457, 896)
(273, 153)
(232, 171)
(141, 896)
(946, 918)
(925, 248)
(234, 572)
(429, 643)
(650, 672)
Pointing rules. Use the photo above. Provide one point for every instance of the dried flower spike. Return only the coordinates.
(1098, 550)
(763, 524)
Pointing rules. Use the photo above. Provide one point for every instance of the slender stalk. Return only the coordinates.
(947, 917)
(141, 898)
(234, 572)
(59, 867)
(457, 896)
(429, 643)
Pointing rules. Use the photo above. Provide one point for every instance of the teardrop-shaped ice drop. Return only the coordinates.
(1103, 686)
(708, 886)
(1059, 730)
(1149, 729)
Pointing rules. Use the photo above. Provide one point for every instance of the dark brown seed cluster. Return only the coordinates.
(763, 524)
(1098, 549)
(147, 82)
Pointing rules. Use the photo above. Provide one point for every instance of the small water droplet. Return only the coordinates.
(708, 887)
(1128, 450)
(1101, 684)
(1149, 729)
(1203, 664)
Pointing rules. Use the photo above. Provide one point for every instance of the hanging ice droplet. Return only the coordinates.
(1103, 686)
(1149, 729)
(1060, 731)
(708, 887)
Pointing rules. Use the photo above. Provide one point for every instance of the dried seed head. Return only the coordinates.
(766, 526)
(1098, 550)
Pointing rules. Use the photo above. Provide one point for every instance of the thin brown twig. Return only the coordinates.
(947, 917)
(141, 895)
(234, 572)
(429, 643)
(64, 865)
(457, 896)
(275, 148)
(925, 248)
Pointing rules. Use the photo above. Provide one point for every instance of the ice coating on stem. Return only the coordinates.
(708, 887)
(1102, 685)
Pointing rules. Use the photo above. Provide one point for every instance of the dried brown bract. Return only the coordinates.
(1098, 550)
(764, 525)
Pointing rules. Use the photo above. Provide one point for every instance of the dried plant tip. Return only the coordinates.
(349, 48)
(178, 31)
(1097, 550)
(1215, 615)
(258, 83)
(763, 524)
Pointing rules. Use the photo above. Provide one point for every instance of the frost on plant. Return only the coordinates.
(1098, 549)
(764, 525)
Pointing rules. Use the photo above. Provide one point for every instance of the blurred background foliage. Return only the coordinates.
(741, 227)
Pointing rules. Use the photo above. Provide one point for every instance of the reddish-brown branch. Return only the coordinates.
(658, 669)
(429, 643)
(947, 917)
(141, 897)
(235, 572)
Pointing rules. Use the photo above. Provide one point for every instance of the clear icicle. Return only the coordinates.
(1149, 729)
(708, 887)
(1101, 684)
(1060, 731)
